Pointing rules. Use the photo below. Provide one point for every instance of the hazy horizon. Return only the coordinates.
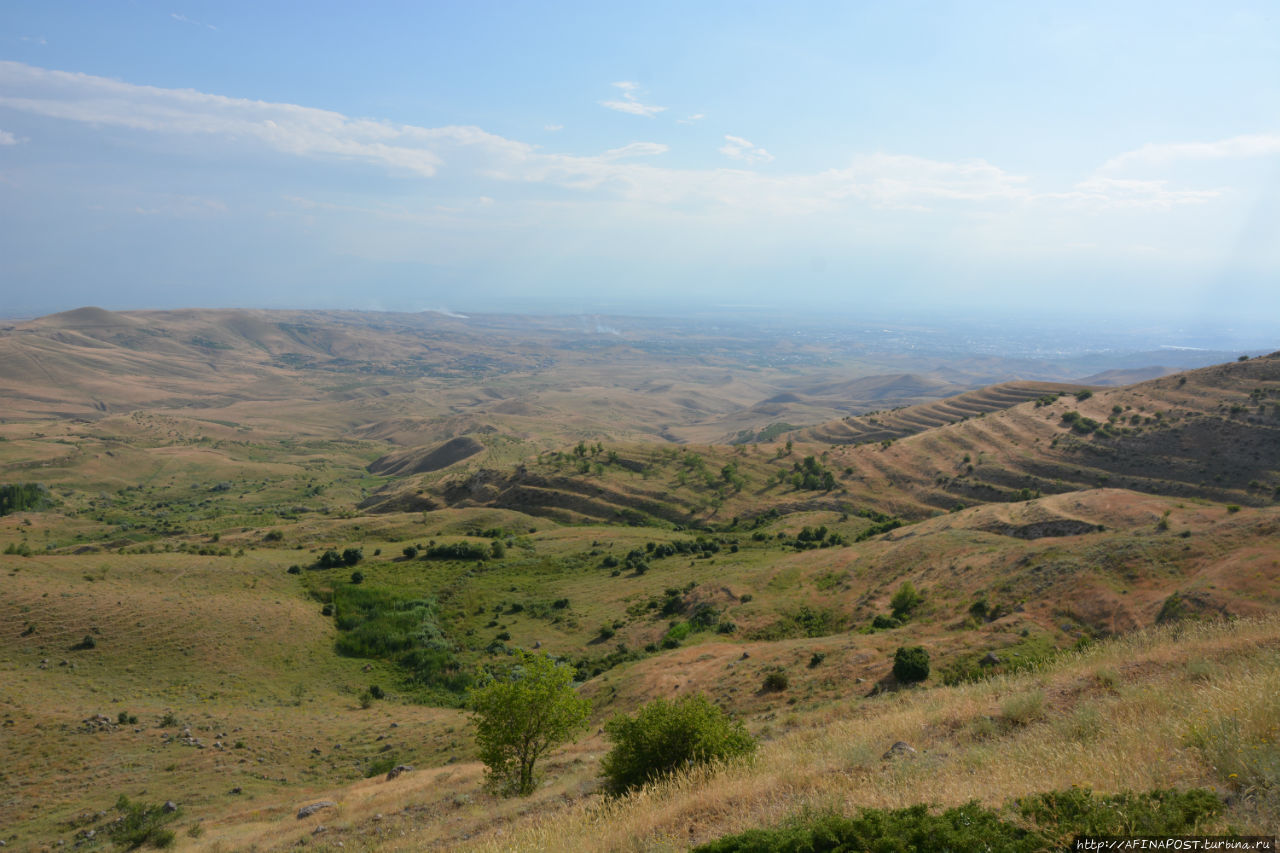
(1076, 164)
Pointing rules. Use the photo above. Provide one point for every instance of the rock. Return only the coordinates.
(898, 749)
(397, 770)
(237, 790)
(537, 644)
(989, 659)
(309, 810)
(746, 655)
(319, 830)
(170, 806)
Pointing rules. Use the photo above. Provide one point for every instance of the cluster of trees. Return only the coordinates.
(19, 497)
(331, 559)
(530, 708)
(809, 475)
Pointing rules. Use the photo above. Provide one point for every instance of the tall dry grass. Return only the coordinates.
(1160, 725)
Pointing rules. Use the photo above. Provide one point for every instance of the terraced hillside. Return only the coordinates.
(1213, 433)
(875, 427)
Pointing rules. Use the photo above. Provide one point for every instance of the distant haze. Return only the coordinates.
(1069, 164)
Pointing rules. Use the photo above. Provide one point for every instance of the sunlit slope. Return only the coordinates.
(1212, 433)
(901, 422)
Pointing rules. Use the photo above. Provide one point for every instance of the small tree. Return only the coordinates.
(665, 736)
(905, 600)
(911, 664)
(521, 716)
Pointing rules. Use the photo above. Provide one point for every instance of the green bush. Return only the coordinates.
(141, 824)
(911, 664)
(1045, 821)
(664, 736)
(458, 551)
(776, 682)
(905, 600)
(967, 827)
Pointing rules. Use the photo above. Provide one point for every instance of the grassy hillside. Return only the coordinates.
(202, 590)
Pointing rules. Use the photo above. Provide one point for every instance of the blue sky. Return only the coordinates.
(1071, 159)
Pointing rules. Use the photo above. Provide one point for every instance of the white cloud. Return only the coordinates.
(630, 103)
(302, 131)
(629, 173)
(737, 148)
(1164, 154)
(553, 127)
(7, 138)
(185, 20)
(691, 119)
(40, 40)
(1105, 192)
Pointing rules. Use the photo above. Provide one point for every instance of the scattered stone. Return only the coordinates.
(170, 806)
(395, 725)
(319, 830)
(397, 770)
(898, 749)
(746, 655)
(98, 723)
(989, 659)
(309, 810)
(315, 750)
(237, 790)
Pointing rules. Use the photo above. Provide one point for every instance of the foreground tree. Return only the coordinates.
(521, 716)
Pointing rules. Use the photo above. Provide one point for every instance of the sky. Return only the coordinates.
(1115, 161)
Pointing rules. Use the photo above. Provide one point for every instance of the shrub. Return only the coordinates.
(664, 736)
(911, 664)
(410, 552)
(905, 600)
(967, 827)
(357, 577)
(776, 682)
(87, 643)
(458, 551)
(141, 824)
(377, 692)
(295, 569)
(124, 718)
(816, 659)
(1055, 817)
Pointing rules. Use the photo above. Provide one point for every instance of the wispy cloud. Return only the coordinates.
(185, 20)
(737, 148)
(40, 40)
(630, 102)
(630, 173)
(1106, 192)
(1164, 154)
(7, 138)
(553, 127)
(691, 119)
